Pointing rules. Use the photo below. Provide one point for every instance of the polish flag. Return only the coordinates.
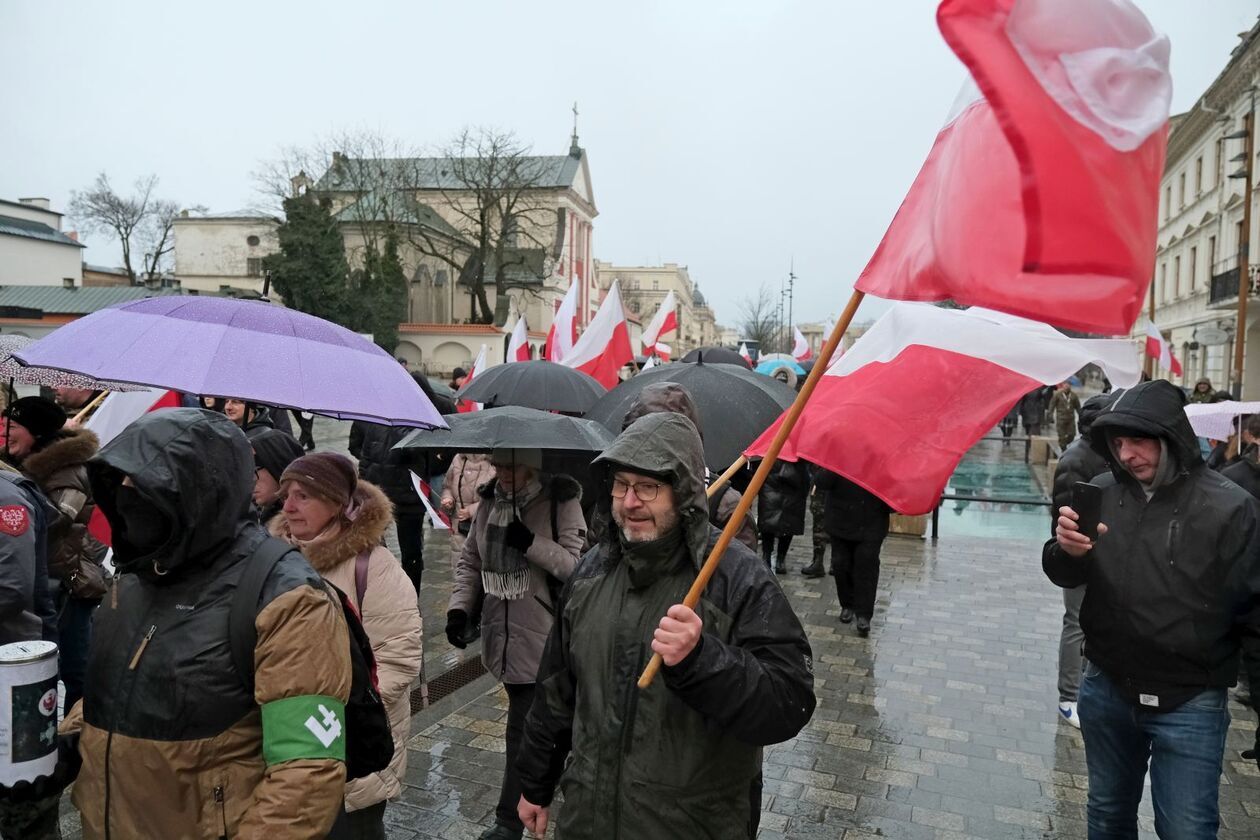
(913, 394)
(478, 366)
(116, 412)
(800, 347)
(605, 345)
(663, 351)
(563, 332)
(664, 321)
(743, 352)
(1160, 349)
(441, 522)
(518, 346)
(1040, 195)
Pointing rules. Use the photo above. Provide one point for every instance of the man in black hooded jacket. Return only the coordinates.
(1173, 593)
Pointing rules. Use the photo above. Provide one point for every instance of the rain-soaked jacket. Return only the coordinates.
(676, 759)
(173, 745)
(1174, 584)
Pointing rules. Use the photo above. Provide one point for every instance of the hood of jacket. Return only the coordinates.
(65, 449)
(664, 397)
(364, 532)
(195, 467)
(1153, 409)
(1090, 410)
(666, 445)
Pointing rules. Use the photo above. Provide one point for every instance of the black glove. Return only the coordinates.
(45, 787)
(456, 626)
(1253, 754)
(518, 536)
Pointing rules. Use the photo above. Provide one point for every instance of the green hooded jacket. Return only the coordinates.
(678, 759)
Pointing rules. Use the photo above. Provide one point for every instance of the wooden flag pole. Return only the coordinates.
(725, 477)
(87, 408)
(763, 471)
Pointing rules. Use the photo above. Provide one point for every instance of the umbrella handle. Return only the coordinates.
(724, 478)
(87, 408)
(763, 471)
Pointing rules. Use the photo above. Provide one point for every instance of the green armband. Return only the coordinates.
(310, 726)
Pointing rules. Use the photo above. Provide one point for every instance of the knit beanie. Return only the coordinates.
(274, 451)
(327, 474)
(40, 416)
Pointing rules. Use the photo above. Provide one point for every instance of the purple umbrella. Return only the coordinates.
(237, 348)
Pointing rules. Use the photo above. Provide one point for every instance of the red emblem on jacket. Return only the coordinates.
(14, 520)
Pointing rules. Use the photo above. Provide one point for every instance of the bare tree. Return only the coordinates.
(758, 318)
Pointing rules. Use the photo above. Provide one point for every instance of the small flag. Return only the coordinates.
(800, 347)
(440, 520)
(1160, 349)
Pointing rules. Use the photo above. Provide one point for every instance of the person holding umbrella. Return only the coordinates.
(525, 541)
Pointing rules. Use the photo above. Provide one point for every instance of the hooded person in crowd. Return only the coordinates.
(1245, 471)
(525, 540)
(1079, 462)
(273, 452)
(339, 522)
(677, 759)
(1202, 392)
(1173, 597)
(173, 743)
(37, 441)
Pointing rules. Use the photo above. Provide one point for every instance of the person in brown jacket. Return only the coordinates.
(55, 457)
(526, 539)
(338, 521)
(173, 744)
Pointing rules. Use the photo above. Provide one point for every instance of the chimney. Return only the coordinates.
(41, 203)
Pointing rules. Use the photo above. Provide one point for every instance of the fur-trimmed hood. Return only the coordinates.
(67, 448)
(376, 513)
(558, 486)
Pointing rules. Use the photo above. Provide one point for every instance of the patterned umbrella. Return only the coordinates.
(10, 368)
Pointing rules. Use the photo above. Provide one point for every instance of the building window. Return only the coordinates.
(1176, 277)
(1194, 260)
(1167, 202)
(1181, 187)
(1162, 291)
(253, 267)
(252, 241)
(656, 285)
(634, 307)
(1220, 161)
(1198, 176)
(1211, 255)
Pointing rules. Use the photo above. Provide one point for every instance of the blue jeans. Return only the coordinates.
(1184, 747)
(74, 631)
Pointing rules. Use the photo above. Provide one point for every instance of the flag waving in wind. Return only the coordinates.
(605, 346)
(800, 347)
(1159, 349)
(518, 346)
(478, 366)
(664, 321)
(1039, 197)
(440, 521)
(563, 330)
(911, 396)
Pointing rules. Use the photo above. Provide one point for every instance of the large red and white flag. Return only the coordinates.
(518, 345)
(900, 409)
(1159, 349)
(478, 366)
(605, 345)
(563, 332)
(1040, 195)
(441, 522)
(664, 321)
(743, 352)
(800, 347)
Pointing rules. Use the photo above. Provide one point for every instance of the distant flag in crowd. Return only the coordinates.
(478, 366)
(1160, 349)
(664, 321)
(518, 345)
(436, 516)
(649, 364)
(563, 332)
(1040, 195)
(743, 352)
(605, 345)
(663, 351)
(888, 415)
(800, 347)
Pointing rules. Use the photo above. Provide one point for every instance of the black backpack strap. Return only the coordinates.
(242, 633)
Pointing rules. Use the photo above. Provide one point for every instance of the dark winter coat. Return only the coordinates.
(783, 498)
(59, 467)
(26, 610)
(1032, 407)
(1080, 461)
(851, 512)
(1174, 584)
(1245, 472)
(373, 445)
(676, 759)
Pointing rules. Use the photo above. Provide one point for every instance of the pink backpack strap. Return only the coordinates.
(360, 576)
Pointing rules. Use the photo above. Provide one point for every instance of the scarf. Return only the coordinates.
(504, 569)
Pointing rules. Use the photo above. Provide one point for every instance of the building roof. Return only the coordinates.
(438, 173)
(11, 226)
(36, 207)
(105, 269)
(77, 301)
(411, 213)
(230, 215)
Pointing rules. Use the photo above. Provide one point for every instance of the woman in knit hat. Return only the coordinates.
(338, 521)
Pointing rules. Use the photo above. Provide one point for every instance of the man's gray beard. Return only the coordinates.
(662, 528)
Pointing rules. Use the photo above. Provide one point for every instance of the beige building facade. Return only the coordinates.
(223, 252)
(643, 290)
(34, 251)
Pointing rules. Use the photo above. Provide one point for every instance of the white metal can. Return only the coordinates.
(28, 711)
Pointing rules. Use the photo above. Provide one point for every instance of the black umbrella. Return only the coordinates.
(717, 356)
(735, 404)
(543, 385)
(511, 427)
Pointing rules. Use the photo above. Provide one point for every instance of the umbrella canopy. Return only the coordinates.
(543, 385)
(735, 405)
(239, 348)
(512, 427)
(1216, 420)
(441, 388)
(769, 367)
(717, 356)
(11, 368)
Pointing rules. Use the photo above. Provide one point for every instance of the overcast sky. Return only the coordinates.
(732, 137)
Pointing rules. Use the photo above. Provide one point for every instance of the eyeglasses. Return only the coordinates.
(644, 491)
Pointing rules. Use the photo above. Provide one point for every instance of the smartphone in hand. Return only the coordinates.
(1087, 502)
